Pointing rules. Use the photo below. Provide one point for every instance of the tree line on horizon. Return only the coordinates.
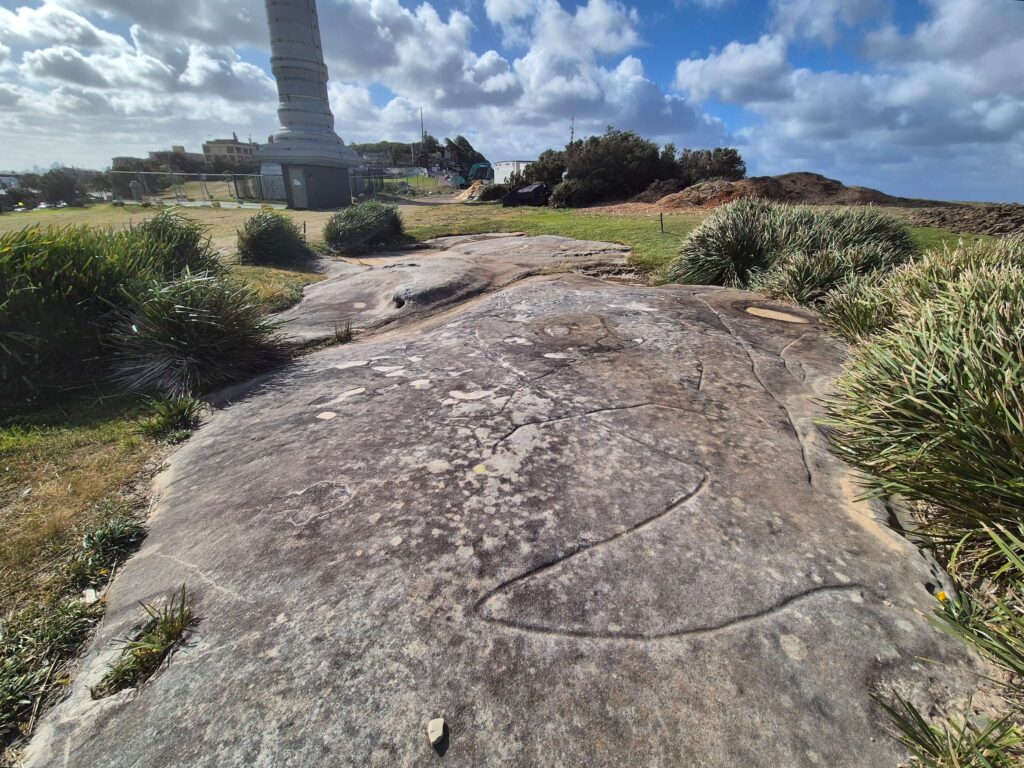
(622, 164)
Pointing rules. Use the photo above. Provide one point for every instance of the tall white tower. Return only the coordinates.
(312, 157)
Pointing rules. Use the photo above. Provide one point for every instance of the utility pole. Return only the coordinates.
(423, 134)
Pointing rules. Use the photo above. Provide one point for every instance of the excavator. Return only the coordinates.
(477, 172)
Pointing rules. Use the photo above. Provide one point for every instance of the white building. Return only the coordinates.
(505, 168)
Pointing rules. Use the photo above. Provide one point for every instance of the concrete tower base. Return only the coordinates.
(315, 187)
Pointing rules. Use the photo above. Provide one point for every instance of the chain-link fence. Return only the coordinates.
(197, 188)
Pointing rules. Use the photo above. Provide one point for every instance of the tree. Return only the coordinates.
(617, 164)
(61, 186)
(467, 155)
(546, 169)
(696, 165)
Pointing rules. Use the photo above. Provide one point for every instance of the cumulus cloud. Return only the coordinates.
(740, 72)
(52, 24)
(822, 19)
(943, 94)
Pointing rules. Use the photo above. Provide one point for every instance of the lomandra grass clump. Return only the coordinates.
(795, 252)
(873, 302)
(362, 227)
(933, 406)
(272, 238)
(60, 289)
(191, 335)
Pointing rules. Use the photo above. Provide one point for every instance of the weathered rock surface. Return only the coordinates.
(411, 284)
(586, 524)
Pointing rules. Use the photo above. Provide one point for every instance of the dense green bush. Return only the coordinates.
(933, 407)
(571, 193)
(272, 238)
(192, 334)
(363, 227)
(493, 192)
(867, 305)
(696, 165)
(798, 252)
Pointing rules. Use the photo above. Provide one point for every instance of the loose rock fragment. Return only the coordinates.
(435, 731)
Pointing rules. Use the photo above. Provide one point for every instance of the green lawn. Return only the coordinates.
(651, 248)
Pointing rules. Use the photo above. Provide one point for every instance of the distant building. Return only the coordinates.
(376, 159)
(8, 181)
(505, 168)
(177, 149)
(232, 150)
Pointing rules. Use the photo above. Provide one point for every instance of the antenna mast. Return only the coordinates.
(572, 128)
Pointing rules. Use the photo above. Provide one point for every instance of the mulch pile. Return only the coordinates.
(982, 219)
(807, 188)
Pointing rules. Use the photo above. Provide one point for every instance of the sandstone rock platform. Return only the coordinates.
(586, 524)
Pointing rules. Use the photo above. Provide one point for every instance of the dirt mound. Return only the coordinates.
(809, 188)
(982, 219)
(658, 190)
(472, 192)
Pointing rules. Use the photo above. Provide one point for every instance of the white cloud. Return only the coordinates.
(941, 96)
(822, 19)
(739, 73)
(52, 24)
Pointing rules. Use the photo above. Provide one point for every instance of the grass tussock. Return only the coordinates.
(172, 419)
(796, 252)
(363, 227)
(165, 630)
(931, 407)
(270, 238)
(67, 293)
(873, 302)
(192, 334)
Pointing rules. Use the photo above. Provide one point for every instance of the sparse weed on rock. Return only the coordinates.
(166, 630)
(362, 227)
(172, 418)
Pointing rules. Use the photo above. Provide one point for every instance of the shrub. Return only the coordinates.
(571, 193)
(363, 227)
(724, 249)
(814, 249)
(493, 192)
(933, 407)
(184, 242)
(191, 335)
(61, 289)
(272, 238)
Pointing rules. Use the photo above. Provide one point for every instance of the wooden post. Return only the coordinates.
(661, 217)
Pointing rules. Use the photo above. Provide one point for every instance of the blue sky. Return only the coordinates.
(916, 97)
